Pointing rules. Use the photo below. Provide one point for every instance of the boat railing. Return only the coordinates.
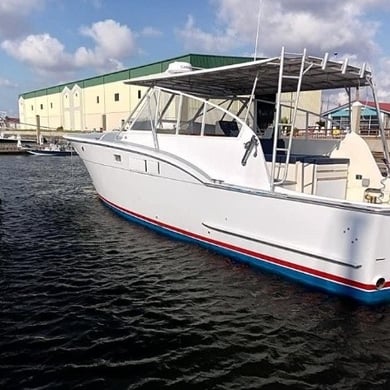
(207, 118)
(285, 74)
(289, 129)
(386, 154)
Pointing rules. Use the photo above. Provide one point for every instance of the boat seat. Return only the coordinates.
(268, 144)
(229, 128)
(306, 159)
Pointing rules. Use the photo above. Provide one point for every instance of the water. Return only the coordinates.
(90, 301)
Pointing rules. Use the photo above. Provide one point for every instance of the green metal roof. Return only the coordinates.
(196, 60)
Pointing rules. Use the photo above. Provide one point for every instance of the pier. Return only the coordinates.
(28, 138)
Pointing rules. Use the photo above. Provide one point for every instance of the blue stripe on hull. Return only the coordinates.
(372, 298)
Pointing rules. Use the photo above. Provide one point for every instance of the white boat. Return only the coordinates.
(195, 162)
(52, 150)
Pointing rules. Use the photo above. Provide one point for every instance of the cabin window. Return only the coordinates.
(139, 94)
(192, 116)
(144, 121)
(166, 110)
(168, 113)
(204, 119)
(117, 157)
(116, 97)
(97, 99)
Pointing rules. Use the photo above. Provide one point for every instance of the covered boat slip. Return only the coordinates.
(220, 102)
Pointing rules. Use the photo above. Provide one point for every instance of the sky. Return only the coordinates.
(48, 42)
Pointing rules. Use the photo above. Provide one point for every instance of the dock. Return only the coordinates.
(12, 152)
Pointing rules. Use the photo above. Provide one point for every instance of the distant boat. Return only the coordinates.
(52, 150)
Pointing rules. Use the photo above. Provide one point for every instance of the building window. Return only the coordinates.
(97, 99)
(116, 97)
(139, 94)
(41, 106)
(51, 105)
(32, 108)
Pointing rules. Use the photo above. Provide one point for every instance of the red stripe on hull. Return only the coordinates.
(260, 256)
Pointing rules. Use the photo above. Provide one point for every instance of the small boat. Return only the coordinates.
(205, 157)
(52, 150)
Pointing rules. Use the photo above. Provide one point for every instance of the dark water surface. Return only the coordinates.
(90, 301)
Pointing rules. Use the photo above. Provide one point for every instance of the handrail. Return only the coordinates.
(386, 155)
(287, 148)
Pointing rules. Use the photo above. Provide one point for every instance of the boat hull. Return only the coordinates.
(314, 278)
(336, 247)
(37, 152)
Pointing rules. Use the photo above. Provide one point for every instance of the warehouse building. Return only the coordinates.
(103, 102)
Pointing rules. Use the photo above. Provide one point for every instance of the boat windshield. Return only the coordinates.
(171, 112)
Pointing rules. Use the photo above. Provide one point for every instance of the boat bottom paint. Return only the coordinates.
(370, 296)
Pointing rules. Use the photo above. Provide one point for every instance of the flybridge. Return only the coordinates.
(234, 80)
(266, 80)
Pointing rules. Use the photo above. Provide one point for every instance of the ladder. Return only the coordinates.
(285, 75)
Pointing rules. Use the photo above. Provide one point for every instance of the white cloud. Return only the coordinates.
(319, 26)
(7, 83)
(13, 16)
(19, 6)
(381, 78)
(111, 38)
(112, 42)
(150, 32)
(215, 41)
(40, 51)
(44, 53)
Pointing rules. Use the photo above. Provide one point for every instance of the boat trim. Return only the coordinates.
(139, 153)
(313, 277)
(279, 246)
(370, 208)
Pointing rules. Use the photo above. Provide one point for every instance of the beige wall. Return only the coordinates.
(82, 109)
(49, 108)
(72, 107)
(94, 107)
(308, 100)
(52, 109)
(116, 110)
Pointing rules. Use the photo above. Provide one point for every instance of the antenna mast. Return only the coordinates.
(258, 31)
